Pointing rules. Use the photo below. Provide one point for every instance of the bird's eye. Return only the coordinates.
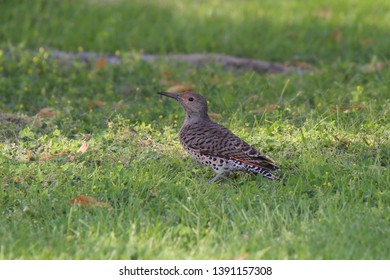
(191, 99)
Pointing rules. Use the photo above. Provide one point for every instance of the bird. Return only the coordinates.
(214, 145)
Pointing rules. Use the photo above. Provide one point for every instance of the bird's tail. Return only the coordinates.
(267, 174)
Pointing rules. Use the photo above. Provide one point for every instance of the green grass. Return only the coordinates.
(329, 130)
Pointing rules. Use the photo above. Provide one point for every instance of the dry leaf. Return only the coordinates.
(269, 108)
(16, 179)
(88, 201)
(153, 192)
(348, 109)
(83, 149)
(215, 80)
(166, 74)
(46, 157)
(242, 256)
(169, 82)
(180, 88)
(96, 103)
(367, 42)
(337, 36)
(176, 86)
(7, 118)
(29, 155)
(376, 67)
(100, 63)
(215, 116)
(46, 113)
(166, 79)
(324, 13)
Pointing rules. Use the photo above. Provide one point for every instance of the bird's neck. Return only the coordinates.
(196, 117)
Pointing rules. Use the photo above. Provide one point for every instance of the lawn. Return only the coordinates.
(90, 163)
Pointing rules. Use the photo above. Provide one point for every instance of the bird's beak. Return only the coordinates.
(168, 94)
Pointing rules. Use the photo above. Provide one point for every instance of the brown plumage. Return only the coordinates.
(216, 146)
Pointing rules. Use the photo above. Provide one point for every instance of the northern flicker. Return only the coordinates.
(214, 145)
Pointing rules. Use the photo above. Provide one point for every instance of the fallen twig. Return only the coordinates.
(197, 59)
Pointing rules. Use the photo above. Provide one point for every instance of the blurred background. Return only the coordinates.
(276, 30)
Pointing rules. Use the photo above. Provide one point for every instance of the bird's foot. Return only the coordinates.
(216, 178)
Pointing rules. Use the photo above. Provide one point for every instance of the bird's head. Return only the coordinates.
(193, 103)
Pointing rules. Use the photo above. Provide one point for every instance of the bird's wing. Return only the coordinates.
(216, 140)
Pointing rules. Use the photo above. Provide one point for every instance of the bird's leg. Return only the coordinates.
(199, 179)
(216, 178)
